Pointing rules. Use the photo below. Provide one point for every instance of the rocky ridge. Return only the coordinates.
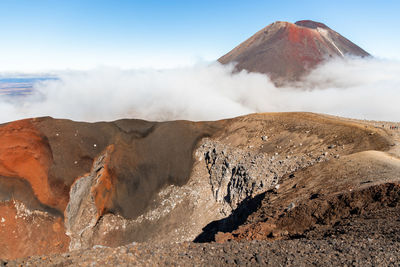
(251, 178)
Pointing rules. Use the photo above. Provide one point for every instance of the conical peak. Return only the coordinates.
(287, 51)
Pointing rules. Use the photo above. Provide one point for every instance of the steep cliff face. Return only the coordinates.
(287, 51)
(68, 185)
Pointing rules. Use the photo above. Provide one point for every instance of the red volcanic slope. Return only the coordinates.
(40, 159)
(286, 51)
(24, 153)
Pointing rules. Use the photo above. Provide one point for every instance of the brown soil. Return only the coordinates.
(319, 211)
(367, 239)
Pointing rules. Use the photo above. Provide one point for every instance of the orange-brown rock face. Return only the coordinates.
(29, 222)
(103, 189)
(25, 154)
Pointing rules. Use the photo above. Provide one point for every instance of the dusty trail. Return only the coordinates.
(393, 132)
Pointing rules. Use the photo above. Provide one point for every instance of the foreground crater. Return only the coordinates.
(299, 181)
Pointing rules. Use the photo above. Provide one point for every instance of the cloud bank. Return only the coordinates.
(356, 88)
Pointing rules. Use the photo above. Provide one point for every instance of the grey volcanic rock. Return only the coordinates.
(287, 51)
(237, 174)
(81, 214)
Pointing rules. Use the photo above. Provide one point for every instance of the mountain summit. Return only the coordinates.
(287, 51)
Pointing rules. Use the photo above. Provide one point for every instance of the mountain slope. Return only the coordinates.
(287, 51)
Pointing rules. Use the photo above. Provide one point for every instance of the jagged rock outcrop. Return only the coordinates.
(88, 196)
(238, 174)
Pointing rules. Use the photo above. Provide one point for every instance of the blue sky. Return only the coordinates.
(43, 35)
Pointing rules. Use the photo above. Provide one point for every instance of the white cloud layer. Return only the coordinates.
(357, 88)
